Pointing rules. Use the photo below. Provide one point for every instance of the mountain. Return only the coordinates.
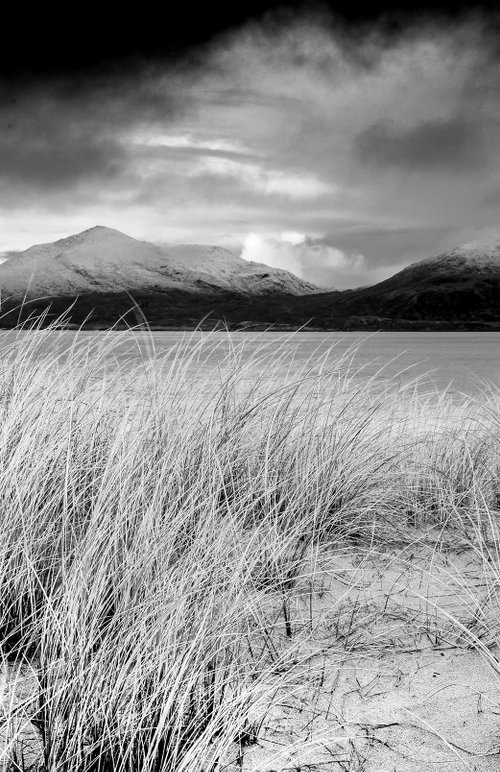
(462, 284)
(103, 272)
(455, 289)
(103, 260)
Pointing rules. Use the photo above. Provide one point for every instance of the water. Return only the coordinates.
(459, 361)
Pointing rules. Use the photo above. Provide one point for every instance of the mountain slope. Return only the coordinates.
(176, 287)
(461, 284)
(454, 289)
(103, 260)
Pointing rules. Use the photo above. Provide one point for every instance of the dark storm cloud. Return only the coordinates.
(385, 246)
(61, 160)
(453, 144)
(59, 133)
(45, 38)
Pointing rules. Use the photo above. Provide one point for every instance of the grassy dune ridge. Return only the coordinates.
(168, 527)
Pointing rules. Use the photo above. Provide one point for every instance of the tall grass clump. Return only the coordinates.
(158, 513)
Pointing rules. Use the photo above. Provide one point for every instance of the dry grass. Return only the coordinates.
(168, 530)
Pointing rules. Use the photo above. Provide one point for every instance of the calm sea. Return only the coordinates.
(461, 361)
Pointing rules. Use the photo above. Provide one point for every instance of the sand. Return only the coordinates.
(392, 666)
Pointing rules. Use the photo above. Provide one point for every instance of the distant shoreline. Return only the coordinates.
(386, 325)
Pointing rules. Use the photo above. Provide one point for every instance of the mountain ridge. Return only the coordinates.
(104, 259)
(104, 272)
(460, 287)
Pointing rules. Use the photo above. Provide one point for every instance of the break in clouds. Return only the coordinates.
(341, 156)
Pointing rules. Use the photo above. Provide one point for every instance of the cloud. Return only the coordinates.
(320, 263)
(392, 246)
(190, 143)
(454, 143)
(59, 162)
(53, 137)
(266, 181)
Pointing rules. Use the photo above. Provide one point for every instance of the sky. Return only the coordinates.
(339, 147)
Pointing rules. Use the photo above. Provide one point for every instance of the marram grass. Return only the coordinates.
(157, 514)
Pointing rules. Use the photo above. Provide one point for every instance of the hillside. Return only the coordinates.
(453, 290)
(104, 272)
(463, 283)
(103, 260)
